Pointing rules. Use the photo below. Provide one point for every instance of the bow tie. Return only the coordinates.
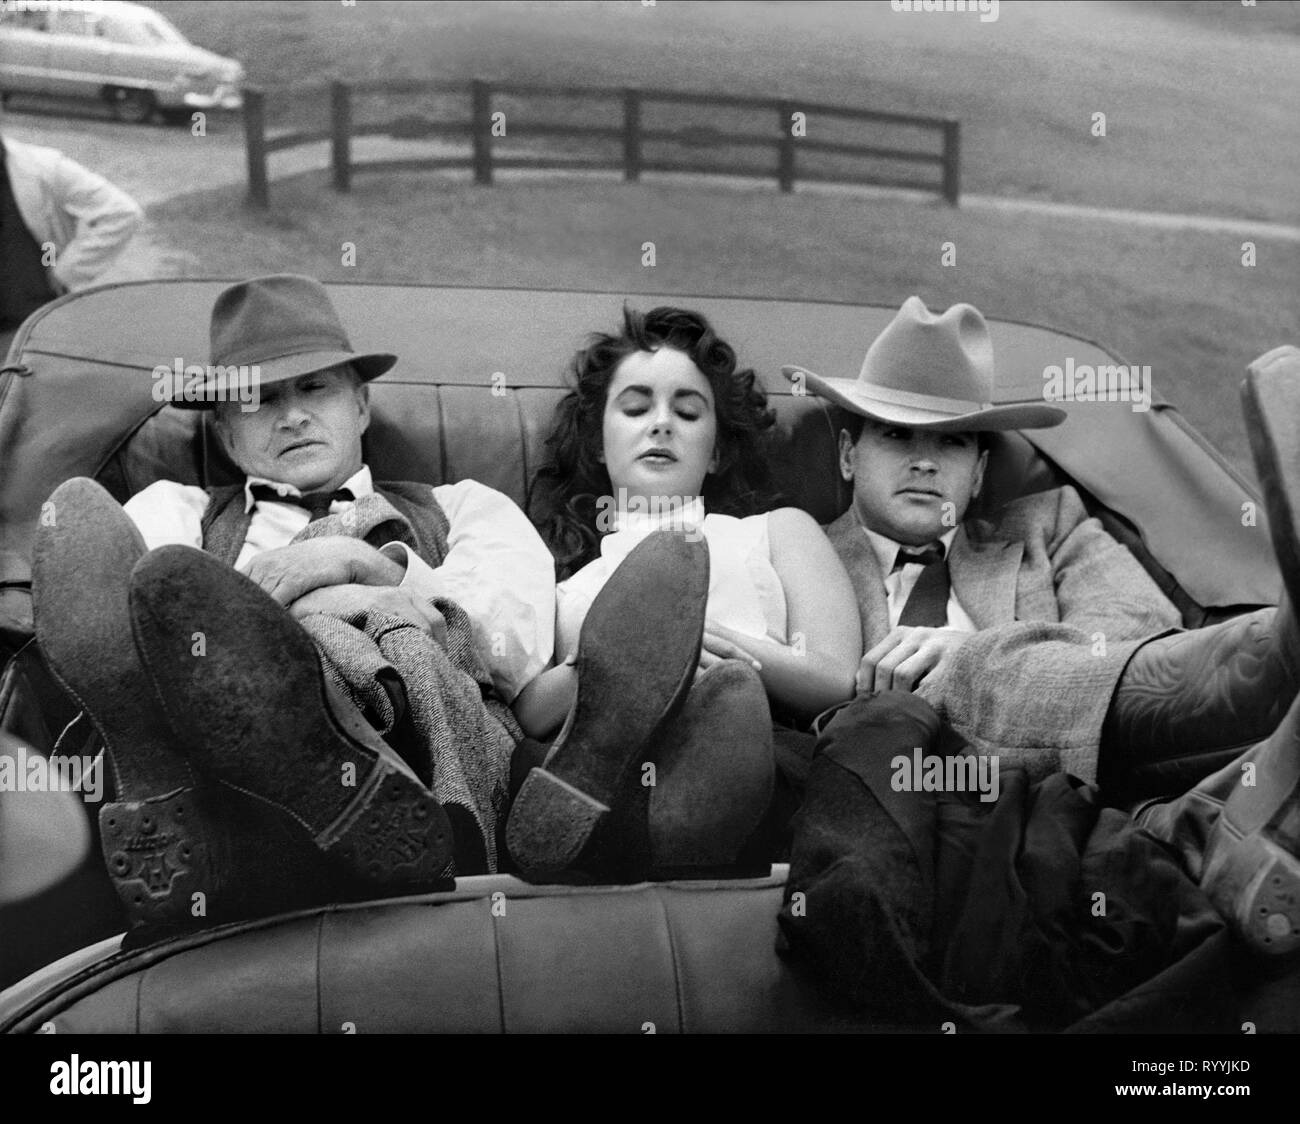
(922, 556)
(316, 503)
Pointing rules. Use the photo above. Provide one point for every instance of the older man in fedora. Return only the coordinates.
(242, 649)
(1027, 903)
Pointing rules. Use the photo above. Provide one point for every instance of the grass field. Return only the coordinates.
(1200, 103)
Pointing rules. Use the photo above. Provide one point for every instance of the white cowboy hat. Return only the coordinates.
(930, 372)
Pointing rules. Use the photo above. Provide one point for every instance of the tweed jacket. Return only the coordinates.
(1060, 607)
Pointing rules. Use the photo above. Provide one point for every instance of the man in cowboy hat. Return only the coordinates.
(245, 743)
(1038, 908)
(996, 622)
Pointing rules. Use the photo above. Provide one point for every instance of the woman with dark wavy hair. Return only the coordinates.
(664, 434)
(567, 490)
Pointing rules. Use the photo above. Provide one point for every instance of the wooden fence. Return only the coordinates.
(478, 134)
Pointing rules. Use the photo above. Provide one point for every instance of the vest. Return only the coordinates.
(225, 523)
(25, 285)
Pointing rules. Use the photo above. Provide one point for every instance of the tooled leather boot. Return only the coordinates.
(1239, 829)
(1229, 686)
(1224, 687)
(180, 852)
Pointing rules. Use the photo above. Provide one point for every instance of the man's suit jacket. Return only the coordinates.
(1060, 605)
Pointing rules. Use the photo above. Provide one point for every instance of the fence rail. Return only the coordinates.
(482, 155)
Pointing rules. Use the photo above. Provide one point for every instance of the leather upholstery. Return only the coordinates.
(478, 375)
(495, 955)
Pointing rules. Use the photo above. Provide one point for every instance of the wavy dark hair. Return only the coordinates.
(563, 495)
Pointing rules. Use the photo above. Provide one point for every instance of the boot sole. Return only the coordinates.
(625, 692)
(316, 760)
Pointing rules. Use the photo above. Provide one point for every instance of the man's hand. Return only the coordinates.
(722, 643)
(289, 572)
(905, 657)
(341, 600)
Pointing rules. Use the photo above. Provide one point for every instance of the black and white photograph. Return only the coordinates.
(650, 517)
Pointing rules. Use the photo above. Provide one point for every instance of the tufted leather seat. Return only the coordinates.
(479, 373)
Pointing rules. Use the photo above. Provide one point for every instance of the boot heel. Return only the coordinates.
(157, 858)
(554, 823)
(394, 833)
(1258, 886)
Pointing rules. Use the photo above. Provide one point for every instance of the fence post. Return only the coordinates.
(481, 129)
(259, 194)
(341, 130)
(785, 153)
(951, 161)
(631, 135)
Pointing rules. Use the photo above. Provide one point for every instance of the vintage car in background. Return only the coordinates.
(496, 953)
(125, 54)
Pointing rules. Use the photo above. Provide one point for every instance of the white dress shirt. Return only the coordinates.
(745, 591)
(497, 568)
(899, 583)
(88, 220)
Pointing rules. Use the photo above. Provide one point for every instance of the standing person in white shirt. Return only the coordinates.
(60, 227)
(243, 766)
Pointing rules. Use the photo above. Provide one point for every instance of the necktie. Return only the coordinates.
(925, 556)
(927, 604)
(316, 503)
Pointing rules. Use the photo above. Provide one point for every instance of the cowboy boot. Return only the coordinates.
(637, 654)
(1229, 686)
(241, 682)
(1239, 830)
(1223, 687)
(178, 852)
(1238, 833)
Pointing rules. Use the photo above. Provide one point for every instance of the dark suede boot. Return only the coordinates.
(637, 655)
(715, 770)
(179, 852)
(241, 683)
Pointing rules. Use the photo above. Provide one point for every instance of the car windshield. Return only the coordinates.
(149, 31)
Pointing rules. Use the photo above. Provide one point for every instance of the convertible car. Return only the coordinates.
(479, 374)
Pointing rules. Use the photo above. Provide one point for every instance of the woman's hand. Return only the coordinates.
(905, 657)
(722, 643)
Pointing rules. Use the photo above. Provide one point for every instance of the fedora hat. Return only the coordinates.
(929, 372)
(284, 325)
